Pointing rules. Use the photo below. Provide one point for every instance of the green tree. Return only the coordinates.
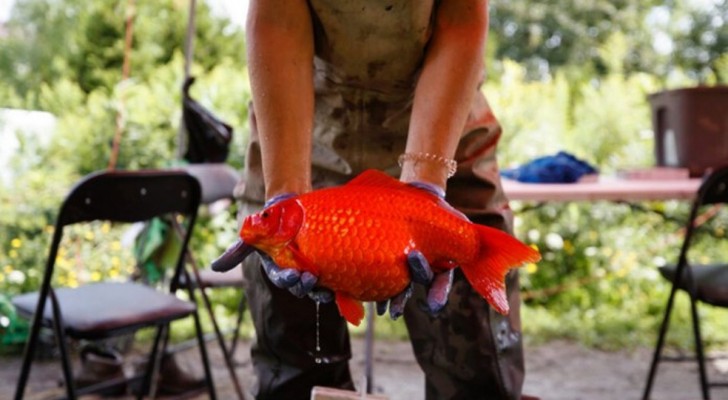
(700, 40)
(84, 42)
(547, 37)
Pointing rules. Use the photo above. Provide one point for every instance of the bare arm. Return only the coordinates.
(452, 69)
(280, 58)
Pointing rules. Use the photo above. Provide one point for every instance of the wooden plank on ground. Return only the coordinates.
(326, 393)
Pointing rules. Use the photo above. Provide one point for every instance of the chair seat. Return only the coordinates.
(231, 278)
(711, 282)
(100, 310)
(212, 279)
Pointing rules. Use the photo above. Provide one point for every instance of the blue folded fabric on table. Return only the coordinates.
(559, 168)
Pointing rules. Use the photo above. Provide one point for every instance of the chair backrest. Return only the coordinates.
(128, 196)
(714, 188)
(217, 180)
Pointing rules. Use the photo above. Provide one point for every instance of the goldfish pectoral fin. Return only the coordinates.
(303, 261)
(352, 310)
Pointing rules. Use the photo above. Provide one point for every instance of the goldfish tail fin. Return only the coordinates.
(499, 252)
(352, 310)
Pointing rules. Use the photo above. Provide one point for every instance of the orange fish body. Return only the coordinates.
(355, 238)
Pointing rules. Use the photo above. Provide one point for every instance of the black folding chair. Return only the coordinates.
(110, 309)
(703, 283)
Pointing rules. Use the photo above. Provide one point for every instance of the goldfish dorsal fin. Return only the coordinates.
(352, 310)
(376, 178)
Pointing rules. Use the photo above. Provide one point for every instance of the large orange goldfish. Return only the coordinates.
(355, 239)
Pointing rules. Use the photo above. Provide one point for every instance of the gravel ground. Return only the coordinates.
(558, 370)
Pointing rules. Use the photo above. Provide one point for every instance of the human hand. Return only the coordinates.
(438, 285)
(297, 282)
(430, 188)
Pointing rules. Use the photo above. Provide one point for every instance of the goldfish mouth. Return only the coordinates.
(233, 256)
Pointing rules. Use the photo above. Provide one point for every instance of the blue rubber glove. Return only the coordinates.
(438, 286)
(300, 284)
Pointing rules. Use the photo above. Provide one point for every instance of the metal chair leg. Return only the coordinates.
(29, 352)
(369, 349)
(203, 355)
(238, 323)
(660, 343)
(152, 368)
(61, 341)
(699, 351)
(221, 341)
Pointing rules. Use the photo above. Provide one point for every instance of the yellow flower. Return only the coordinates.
(116, 245)
(114, 273)
(89, 235)
(8, 269)
(95, 276)
(106, 227)
(568, 247)
(531, 268)
(62, 262)
(2, 278)
(16, 243)
(13, 254)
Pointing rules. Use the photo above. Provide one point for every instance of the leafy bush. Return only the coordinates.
(598, 281)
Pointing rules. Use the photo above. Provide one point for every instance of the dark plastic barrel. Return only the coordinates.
(691, 127)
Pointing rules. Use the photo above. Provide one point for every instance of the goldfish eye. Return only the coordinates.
(265, 214)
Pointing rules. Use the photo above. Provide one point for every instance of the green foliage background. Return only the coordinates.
(572, 78)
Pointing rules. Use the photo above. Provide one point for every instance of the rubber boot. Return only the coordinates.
(100, 365)
(173, 379)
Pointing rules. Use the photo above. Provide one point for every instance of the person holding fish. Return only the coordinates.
(339, 88)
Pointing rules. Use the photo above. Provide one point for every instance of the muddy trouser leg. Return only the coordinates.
(468, 351)
(284, 354)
